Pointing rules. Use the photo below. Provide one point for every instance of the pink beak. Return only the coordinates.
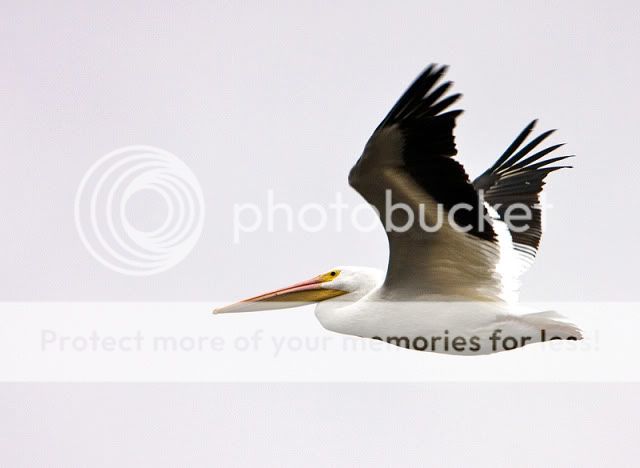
(305, 292)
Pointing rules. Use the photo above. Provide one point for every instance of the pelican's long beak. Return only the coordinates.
(306, 292)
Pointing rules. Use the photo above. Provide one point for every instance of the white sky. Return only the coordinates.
(283, 96)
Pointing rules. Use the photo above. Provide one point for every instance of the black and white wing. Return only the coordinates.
(512, 186)
(409, 160)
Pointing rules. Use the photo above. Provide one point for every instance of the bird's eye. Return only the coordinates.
(333, 273)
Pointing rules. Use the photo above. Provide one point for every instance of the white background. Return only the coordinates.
(283, 95)
(344, 425)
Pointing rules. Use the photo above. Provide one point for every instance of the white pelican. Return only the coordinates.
(451, 289)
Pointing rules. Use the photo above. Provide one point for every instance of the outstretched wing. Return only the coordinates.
(408, 160)
(513, 186)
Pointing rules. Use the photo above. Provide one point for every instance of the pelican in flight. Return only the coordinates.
(451, 285)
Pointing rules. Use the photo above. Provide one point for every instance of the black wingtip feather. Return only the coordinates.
(522, 136)
(524, 151)
(536, 156)
(418, 98)
(518, 177)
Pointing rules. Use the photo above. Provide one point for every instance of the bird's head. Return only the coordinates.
(334, 283)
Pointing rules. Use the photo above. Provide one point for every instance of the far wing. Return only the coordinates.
(514, 184)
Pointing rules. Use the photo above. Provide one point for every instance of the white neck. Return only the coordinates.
(333, 313)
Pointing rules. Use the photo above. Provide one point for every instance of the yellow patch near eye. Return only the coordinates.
(333, 274)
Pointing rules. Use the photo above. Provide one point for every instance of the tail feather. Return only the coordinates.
(551, 324)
